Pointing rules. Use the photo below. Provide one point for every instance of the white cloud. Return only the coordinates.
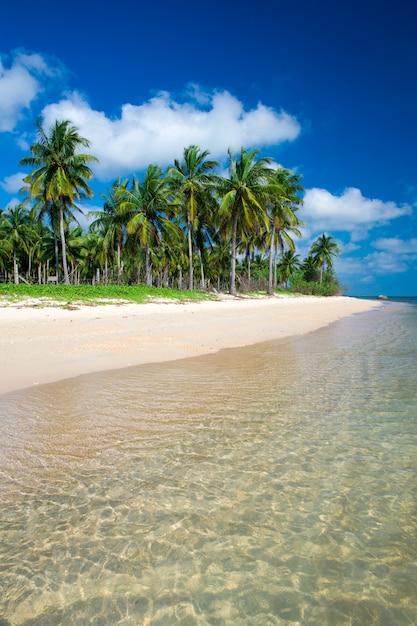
(397, 246)
(13, 183)
(390, 259)
(158, 130)
(20, 85)
(350, 212)
(383, 263)
(350, 266)
(348, 247)
(354, 214)
(13, 202)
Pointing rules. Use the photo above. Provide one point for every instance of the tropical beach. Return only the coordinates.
(198, 427)
(42, 344)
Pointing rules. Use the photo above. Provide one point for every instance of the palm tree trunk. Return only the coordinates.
(275, 270)
(190, 258)
(232, 288)
(248, 262)
(56, 253)
(63, 246)
(148, 266)
(203, 279)
(119, 253)
(15, 269)
(271, 257)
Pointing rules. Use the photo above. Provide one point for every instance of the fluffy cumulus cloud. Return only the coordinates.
(20, 85)
(383, 263)
(392, 256)
(397, 246)
(13, 183)
(158, 130)
(355, 215)
(349, 212)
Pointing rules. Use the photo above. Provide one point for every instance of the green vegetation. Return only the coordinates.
(183, 227)
(328, 287)
(99, 294)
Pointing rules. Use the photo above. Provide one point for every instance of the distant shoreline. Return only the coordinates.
(43, 345)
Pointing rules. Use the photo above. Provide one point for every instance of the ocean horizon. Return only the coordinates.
(271, 484)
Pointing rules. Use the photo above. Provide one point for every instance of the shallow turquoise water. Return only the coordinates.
(275, 484)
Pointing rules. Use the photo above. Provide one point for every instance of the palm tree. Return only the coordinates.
(61, 173)
(16, 226)
(111, 222)
(309, 269)
(49, 211)
(174, 255)
(322, 252)
(244, 197)
(283, 216)
(90, 255)
(43, 249)
(191, 181)
(247, 246)
(288, 264)
(5, 243)
(147, 204)
(76, 242)
(205, 230)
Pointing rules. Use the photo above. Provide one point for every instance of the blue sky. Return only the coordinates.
(328, 89)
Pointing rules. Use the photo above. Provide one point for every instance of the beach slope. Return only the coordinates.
(46, 344)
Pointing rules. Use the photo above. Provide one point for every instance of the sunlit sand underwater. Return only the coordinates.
(274, 484)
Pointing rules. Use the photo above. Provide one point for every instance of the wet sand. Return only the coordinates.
(43, 345)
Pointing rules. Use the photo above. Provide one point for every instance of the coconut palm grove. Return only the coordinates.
(186, 227)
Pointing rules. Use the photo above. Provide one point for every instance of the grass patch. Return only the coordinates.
(99, 294)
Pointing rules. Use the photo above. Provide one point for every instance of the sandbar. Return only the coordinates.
(50, 343)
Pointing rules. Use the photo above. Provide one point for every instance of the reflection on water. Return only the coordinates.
(274, 484)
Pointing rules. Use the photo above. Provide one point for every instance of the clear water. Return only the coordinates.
(275, 484)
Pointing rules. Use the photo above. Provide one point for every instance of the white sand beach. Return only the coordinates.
(46, 344)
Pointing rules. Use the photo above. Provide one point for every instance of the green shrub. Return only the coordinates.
(98, 294)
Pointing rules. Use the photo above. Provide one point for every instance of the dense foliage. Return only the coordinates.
(186, 227)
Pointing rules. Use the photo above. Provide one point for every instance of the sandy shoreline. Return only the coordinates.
(42, 345)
